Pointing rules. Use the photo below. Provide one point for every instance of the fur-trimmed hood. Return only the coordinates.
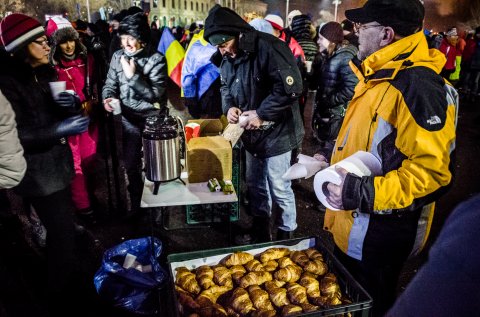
(61, 36)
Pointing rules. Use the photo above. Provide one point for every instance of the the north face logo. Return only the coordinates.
(434, 120)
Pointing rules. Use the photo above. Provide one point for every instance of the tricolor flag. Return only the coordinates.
(174, 53)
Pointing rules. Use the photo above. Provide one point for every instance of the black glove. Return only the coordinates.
(71, 126)
(68, 102)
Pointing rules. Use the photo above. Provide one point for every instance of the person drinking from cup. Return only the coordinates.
(43, 125)
(137, 79)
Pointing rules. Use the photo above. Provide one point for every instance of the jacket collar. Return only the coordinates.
(410, 51)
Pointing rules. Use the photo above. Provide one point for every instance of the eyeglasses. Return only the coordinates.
(42, 43)
(359, 27)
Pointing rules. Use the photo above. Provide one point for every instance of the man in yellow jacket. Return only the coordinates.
(403, 113)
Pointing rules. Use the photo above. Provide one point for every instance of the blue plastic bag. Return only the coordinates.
(129, 288)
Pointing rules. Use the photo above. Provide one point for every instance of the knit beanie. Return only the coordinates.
(137, 26)
(276, 21)
(332, 31)
(293, 14)
(59, 30)
(18, 30)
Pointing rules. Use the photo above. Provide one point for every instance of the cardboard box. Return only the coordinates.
(210, 155)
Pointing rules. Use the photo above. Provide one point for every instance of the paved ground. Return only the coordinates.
(22, 261)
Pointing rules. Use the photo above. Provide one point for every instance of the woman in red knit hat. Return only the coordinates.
(43, 125)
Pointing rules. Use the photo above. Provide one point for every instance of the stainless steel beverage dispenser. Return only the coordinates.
(161, 150)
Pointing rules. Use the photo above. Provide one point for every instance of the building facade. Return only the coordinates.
(183, 12)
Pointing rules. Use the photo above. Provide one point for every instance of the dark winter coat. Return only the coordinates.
(337, 80)
(263, 77)
(139, 93)
(49, 159)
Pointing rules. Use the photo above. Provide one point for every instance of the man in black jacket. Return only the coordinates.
(260, 86)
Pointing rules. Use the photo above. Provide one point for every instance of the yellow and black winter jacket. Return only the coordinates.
(404, 113)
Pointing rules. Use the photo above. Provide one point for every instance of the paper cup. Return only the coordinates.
(308, 65)
(57, 87)
(361, 164)
(115, 104)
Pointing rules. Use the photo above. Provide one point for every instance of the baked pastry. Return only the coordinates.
(284, 262)
(329, 286)
(314, 254)
(307, 307)
(260, 298)
(299, 257)
(254, 266)
(263, 313)
(290, 310)
(222, 276)
(204, 276)
(186, 299)
(255, 278)
(317, 267)
(211, 294)
(273, 254)
(291, 273)
(186, 280)
(237, 258)
(297, 294)
(311, 284)
(278, 296)
(240, 301)
(270, 285)
(270, 265)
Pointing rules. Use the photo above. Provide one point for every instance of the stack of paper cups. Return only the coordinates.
(361, 164)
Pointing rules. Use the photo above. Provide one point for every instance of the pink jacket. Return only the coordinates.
(450, 53)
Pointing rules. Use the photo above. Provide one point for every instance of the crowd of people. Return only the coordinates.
(383, 84)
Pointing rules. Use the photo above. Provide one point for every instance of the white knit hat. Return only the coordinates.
(293, 14)
(275, 20)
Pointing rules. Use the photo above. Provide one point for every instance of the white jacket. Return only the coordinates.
(12, 162)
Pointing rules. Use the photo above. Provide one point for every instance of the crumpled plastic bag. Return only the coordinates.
(130, 288)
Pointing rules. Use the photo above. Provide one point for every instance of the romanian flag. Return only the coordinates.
(174, 53)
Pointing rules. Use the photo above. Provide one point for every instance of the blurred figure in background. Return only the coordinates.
(449, 49)
(335, 86)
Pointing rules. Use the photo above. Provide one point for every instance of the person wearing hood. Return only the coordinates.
(137, 79)
(403, 113)
(335, 85)
(260, 86)
(75, 67)
(43, 124)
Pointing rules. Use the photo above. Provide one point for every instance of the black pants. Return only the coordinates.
(56, 213)
(380, 281)
(132, 157)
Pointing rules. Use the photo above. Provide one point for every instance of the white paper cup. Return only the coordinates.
(57, 87)
(361, 164)
(115, 104)
(308, 65)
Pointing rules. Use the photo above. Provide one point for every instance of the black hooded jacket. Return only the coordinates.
(264, 77)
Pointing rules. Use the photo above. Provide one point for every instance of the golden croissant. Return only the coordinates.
(270, 266)
(297, 294)
(329, 286)
(222, 276)
(278, 296)
(273, 254)
(270, 285)
(237, 269)
(186, 299)
(317, 267)
(255, 278)
(284, 262)
(290, 310)
(311, 284)
(291, 273)
(204, 276)
(321, 301)
(313, 254)
(299, 257)
(237, 258)
(186, 280)
(260, 298)
(254, 266)
(240, 301)
(212, 294)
